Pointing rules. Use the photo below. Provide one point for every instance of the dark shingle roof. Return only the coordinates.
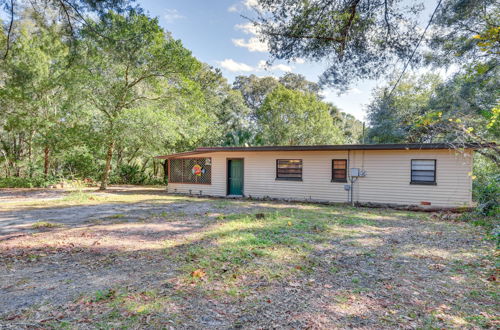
(388, 146)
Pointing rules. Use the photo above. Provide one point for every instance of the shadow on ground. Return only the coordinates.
(302, 266)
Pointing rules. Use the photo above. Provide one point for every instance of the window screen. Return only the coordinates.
(289, 169)
(191, 170)
(339, 170)
(423, 171)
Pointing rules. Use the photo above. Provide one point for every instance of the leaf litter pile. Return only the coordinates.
(163, 261)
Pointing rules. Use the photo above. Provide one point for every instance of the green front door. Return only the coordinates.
(235, 176)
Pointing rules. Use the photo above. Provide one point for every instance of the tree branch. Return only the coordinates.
(9, 31)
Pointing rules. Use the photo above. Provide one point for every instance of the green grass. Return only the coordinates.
(80, 196)
(117, 216)
(45, 224)
(272, 245)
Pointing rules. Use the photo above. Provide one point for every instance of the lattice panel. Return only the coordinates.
(191, 170)
(175, 170)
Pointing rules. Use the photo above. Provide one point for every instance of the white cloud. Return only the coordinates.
(172, 15)
(354, 91)
(299, 60)
(233, 9)
(262, 65)
(234, 66)
(245, 4)
(248, 28)
(282, 67)
(250, 3)
(253, 44)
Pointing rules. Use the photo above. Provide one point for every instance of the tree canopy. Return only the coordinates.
(358, 39)
(291, 117)
(102, 103)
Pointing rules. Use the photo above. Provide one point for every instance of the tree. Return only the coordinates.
(34, 93)
(392, 118)
(465, 33)
(289, 117)
(234, 118)
(129, 60)
(254, 89)
(352, 128)
(359, 38)
(298, 82)
(70, 14)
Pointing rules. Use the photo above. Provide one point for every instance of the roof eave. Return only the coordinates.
(339, 147)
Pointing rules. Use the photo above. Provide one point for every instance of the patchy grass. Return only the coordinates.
(243, 246)
(45, 224)
(197, 262)
(80, 197)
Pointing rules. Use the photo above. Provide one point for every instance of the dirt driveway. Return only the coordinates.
(137, 257)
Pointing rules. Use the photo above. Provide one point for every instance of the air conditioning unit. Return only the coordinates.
(356, 172)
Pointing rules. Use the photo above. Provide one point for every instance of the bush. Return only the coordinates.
(128, 174)
(486, 186)
(131, 174)
(35, 182)
(488, 196)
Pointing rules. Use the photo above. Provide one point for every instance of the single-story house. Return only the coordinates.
(428, 175)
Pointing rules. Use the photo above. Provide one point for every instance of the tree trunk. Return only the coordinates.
(30, 155)
(46, 161)
(107, 167)
(143, 168)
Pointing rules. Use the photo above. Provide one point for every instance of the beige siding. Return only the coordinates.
(387, 177)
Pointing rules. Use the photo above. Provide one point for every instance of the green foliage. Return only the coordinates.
(265, 107)
(105, 294)
(393, 119)
(34, 182)
(465, 32)
(289, 117)
(358, 39)
(486, 186)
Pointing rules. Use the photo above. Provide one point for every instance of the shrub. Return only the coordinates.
(130, 174)
(486, 186)
(35, 182)
(488, 196)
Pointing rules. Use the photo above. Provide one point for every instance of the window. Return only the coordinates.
(191, 170)
(339, 170)
(289, 169)
(423, 171)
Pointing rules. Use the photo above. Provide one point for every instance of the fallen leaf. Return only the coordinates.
(198, 273)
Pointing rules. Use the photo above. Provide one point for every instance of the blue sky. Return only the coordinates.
(217, 34)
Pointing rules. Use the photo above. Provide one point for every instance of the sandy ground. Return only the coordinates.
(392, 272)
(116, 235)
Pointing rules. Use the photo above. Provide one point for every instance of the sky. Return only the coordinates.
(218, 34)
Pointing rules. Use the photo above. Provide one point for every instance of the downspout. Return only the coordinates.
(351, 179)
(349, 195)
